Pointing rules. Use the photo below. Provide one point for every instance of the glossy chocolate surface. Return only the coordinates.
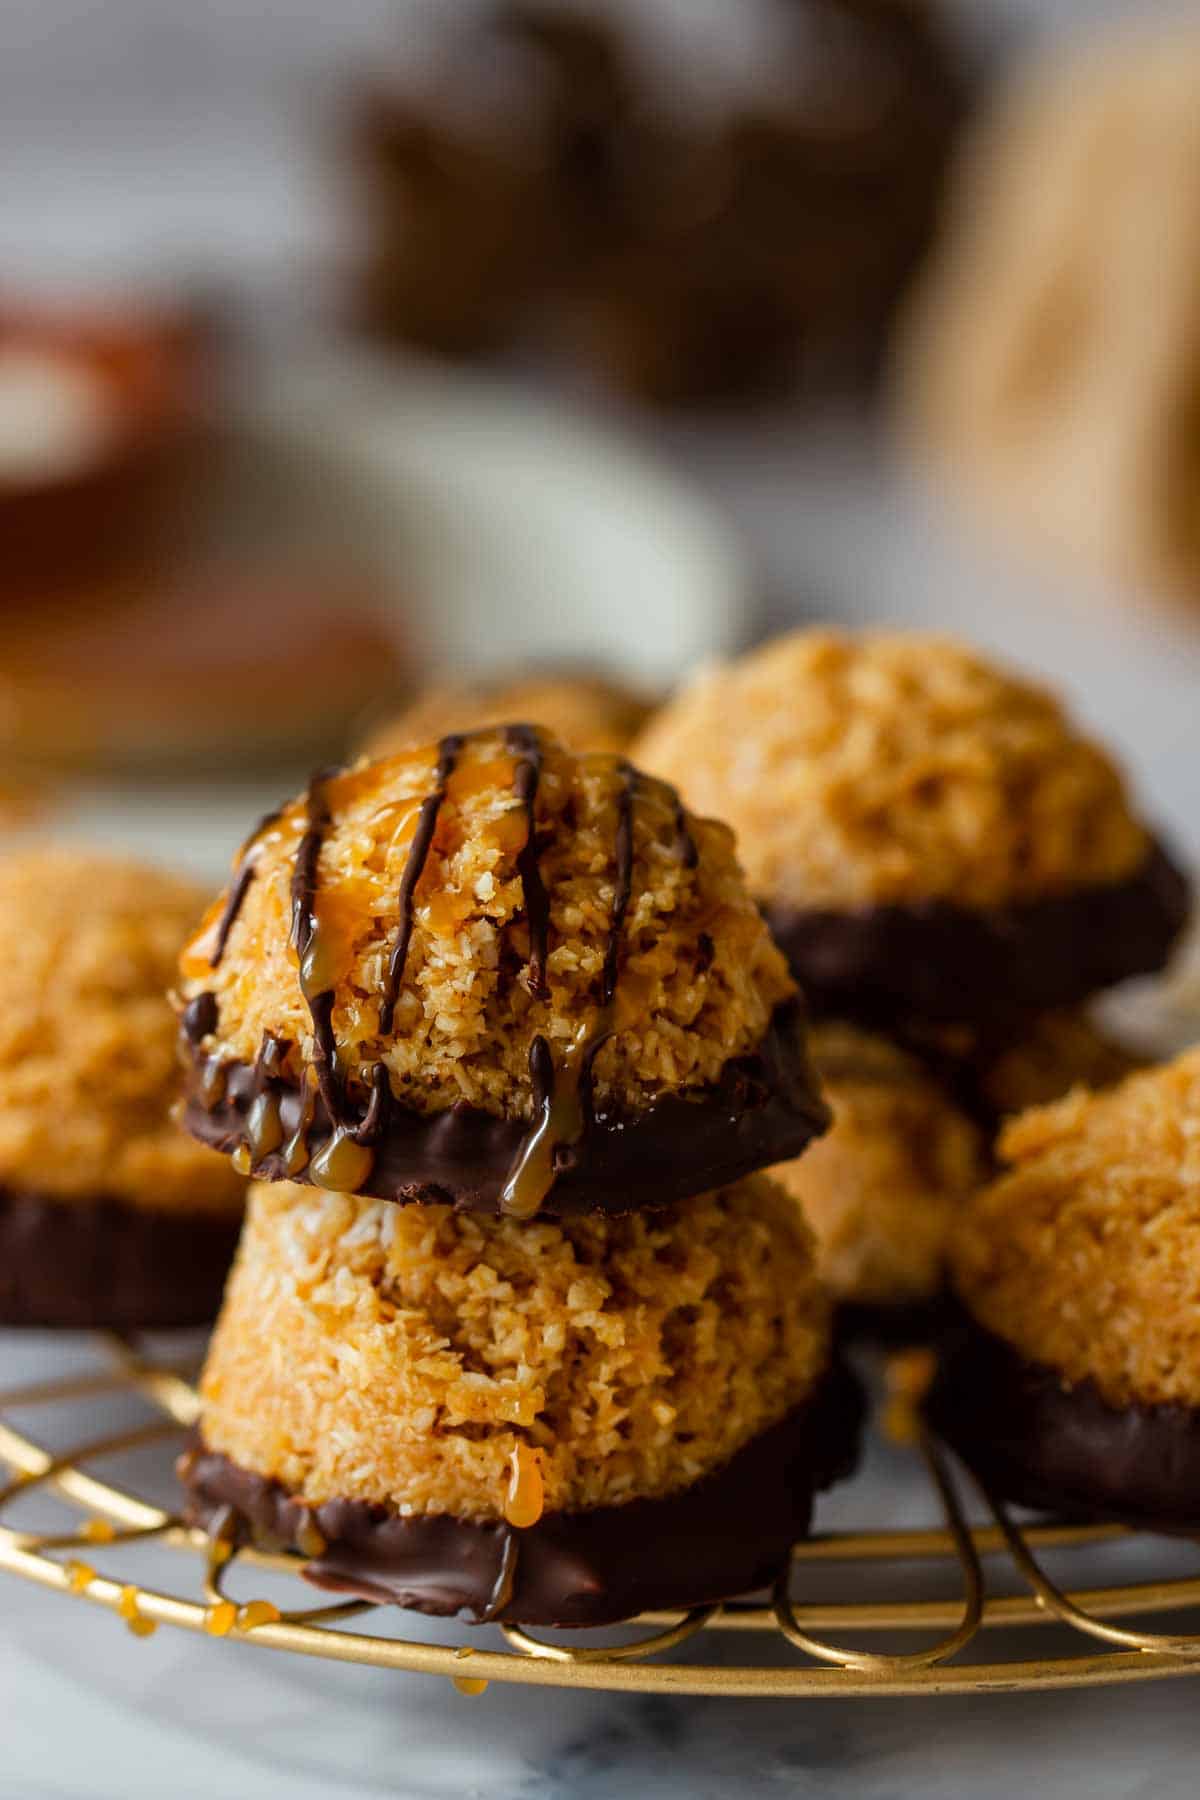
(1039, 1441)
(728, 1534)
(945, 964)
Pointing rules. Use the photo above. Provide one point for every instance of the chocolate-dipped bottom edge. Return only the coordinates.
(764, 1109)
(730, 1533)
(947, 964)
(102, 1265)
(1036, 1439)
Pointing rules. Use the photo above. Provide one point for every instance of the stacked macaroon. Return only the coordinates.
(953, 871)
(1072, 1380)
(109, 1215)
(515, 1330)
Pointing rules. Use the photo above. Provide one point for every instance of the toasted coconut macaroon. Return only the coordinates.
(884, 1188)
(585, 712)
(930, 836)
(493, 973)
(1073, 1382)
(109, 1214)
(554, 1422)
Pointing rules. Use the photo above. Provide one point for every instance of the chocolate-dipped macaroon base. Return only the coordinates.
(731, 1533)
(945, 964)
(108, 1266)
(765, 1109)
(1037, 1440)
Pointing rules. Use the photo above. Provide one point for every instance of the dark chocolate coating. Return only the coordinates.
(729, 1534)
(945, 964)
(102, 1265)
(1035, 1439)
(765, 1109)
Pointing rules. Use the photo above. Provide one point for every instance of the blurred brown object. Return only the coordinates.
(486, 180)
(214, 666)
(1051, 366)
(552, 181)
(100, 421)
(586, 712)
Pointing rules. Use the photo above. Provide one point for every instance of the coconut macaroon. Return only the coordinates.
(931, 836)
(585, 712)
(559, 1421)
(1074, 1382)
(884, 1188)
(109, 1214)
(494, 973)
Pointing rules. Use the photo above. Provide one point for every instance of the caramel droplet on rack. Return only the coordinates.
(469, 1685)
(257, 1612)
(341, 1165)
(142, 1627)
(98, 1531)
(220, 1618)
(526, 1492)
(127, 1604)
(80, 1575)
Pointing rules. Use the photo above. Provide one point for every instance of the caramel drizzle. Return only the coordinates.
(305, 937)
(506, 1578)
(240, 886)
(522, 741)
(414, 868)
(562, 1093)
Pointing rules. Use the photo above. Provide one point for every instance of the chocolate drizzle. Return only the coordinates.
(199, 1018)
(523, 742)
(316, 981)
(729, 1533)
(562, 1092)
(239, 887)
(418, 854)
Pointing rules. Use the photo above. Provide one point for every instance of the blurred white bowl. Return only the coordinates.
(508, 529)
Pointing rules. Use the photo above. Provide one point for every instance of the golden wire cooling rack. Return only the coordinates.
(787, 1654)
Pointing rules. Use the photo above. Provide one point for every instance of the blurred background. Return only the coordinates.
(348, 349)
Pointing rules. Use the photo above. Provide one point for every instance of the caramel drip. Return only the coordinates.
(295, 1151)
(418, 855)
(315, 981)
(523, 742)
(506, 1578)
(240, 886)
(525, 1500)
(561, 1094)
